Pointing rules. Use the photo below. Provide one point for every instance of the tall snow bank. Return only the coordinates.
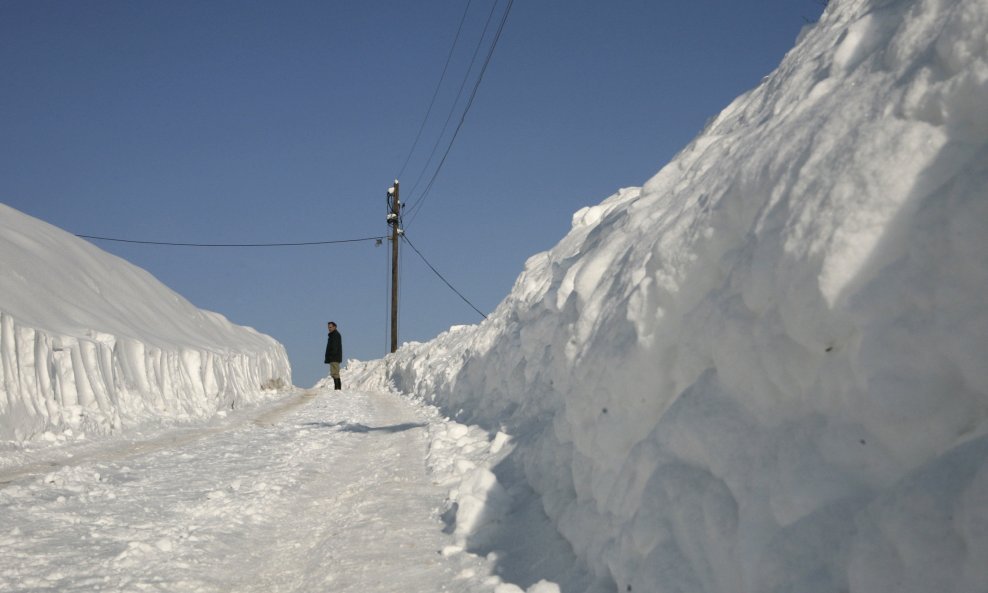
(765, 369)
(90, 341)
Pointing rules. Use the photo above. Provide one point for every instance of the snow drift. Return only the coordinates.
(764, 370)
(90, 341)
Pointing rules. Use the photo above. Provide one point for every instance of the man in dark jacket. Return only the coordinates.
(334, 354)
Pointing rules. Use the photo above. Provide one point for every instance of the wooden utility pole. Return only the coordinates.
(394, 219)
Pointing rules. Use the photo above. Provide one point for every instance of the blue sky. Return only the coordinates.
(258, 122)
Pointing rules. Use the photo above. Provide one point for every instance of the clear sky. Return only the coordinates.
(258, 122)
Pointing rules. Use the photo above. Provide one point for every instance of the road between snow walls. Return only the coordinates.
(359, 491)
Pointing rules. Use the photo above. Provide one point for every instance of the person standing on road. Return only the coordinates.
(334, 354)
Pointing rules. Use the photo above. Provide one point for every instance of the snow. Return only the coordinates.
(761, 371)
(93, 343)
(313, 492)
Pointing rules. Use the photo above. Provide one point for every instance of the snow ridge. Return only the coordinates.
(762, 371)
(91, 342)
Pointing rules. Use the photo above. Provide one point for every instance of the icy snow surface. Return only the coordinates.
(94, 344)
(764, 370)
(316, 492)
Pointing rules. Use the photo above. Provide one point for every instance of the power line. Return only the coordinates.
(432, 103)
(173, 244)
(473, 95)
(436, 272)
(459, 93)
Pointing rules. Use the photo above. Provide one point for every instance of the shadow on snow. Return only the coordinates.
(344, 426)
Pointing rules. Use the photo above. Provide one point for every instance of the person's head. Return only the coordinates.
(331, 326)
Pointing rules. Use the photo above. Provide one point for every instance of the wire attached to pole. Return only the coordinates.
(172, 244)
(417, 205)
(435, 93)
(436, 272)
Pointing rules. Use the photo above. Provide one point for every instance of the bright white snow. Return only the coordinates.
(92, 343)
(765, 369)
(761, 372)
(316, 492)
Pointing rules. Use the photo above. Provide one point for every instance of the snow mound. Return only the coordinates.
(90, 341)
(764, 370)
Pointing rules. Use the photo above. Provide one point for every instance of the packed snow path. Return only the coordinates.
(319, 492)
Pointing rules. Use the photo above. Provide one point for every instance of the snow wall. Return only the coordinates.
(91, 342)
(765, 370)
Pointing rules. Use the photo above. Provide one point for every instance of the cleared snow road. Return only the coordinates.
(321, 492)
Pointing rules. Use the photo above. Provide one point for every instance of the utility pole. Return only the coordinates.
(394, 219)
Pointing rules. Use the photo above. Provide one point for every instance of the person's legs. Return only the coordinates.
(334, 371)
